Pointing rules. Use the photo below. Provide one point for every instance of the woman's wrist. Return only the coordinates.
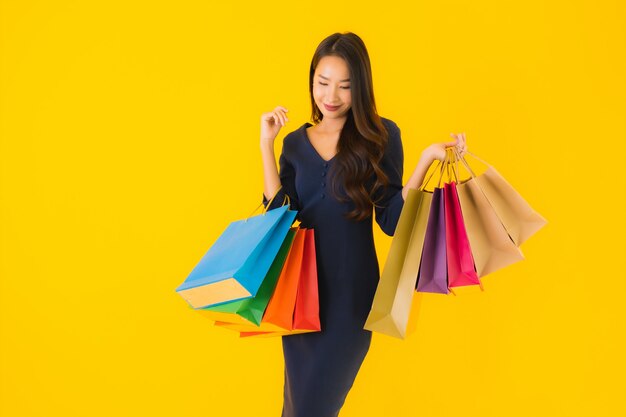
(427, 157)
(417, 177)
(267, 145)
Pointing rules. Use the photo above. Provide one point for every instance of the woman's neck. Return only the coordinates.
(331, 125)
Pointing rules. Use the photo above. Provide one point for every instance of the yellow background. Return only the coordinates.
(129, 141)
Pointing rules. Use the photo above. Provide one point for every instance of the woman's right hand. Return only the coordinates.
(438, 150)
(271, 122)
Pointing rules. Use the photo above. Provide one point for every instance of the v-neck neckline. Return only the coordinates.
(306, 138)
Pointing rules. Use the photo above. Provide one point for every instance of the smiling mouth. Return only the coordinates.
(331, 108)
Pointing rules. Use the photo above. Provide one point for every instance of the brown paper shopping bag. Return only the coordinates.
(491, 245)
(519, 219)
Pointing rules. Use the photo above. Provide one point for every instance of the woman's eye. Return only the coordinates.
(346, 88)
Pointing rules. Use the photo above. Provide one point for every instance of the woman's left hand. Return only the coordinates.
(438, 150)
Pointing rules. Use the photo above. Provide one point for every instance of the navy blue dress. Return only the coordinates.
(320, 367)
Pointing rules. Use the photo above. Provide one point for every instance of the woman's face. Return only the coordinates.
(331, 87)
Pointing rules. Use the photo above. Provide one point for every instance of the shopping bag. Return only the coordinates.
(280, 309)
(307, 311)
(460, 262)
(520, 220)
(492, 247)
(278, 315)
(433, 275)
(306, 315)
(235, 265)
(393, 300)
(250, 310)
(294, 306)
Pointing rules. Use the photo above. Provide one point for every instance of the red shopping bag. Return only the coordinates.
(307, 313)
(461, 270)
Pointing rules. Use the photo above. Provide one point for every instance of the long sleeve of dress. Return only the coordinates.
(391, 204)
(287, 177)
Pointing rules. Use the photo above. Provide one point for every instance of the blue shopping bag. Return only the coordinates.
(235, 265)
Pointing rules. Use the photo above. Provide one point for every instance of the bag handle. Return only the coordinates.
(469, 153)
(455, 169)
(444, 164)
(474, 176)
(425, 182)
(269, 203)
(458, 158)
(462, 159)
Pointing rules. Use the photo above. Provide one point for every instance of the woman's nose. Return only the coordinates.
(333, 93)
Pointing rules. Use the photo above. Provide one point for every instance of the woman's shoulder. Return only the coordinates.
(391, 126)
(394, 140)
(294, 139)
(394, 149)
(296, 134)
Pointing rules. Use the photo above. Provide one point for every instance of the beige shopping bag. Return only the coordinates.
(491, 245)
(519, 219)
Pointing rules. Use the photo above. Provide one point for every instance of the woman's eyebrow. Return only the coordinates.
(347, 79)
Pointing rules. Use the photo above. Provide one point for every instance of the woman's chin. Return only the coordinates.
(335, 114)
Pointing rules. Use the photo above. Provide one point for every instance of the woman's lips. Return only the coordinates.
(330, 108)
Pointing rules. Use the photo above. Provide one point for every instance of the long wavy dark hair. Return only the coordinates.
(363, 137)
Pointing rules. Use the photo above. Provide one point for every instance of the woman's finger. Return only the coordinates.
(285, 118)
(280, 110)
(461, 144)
(460, 140)
(280, 119)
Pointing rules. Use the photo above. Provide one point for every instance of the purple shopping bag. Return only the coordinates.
(433, 272)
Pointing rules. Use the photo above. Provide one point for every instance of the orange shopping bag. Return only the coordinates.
(294, 305)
